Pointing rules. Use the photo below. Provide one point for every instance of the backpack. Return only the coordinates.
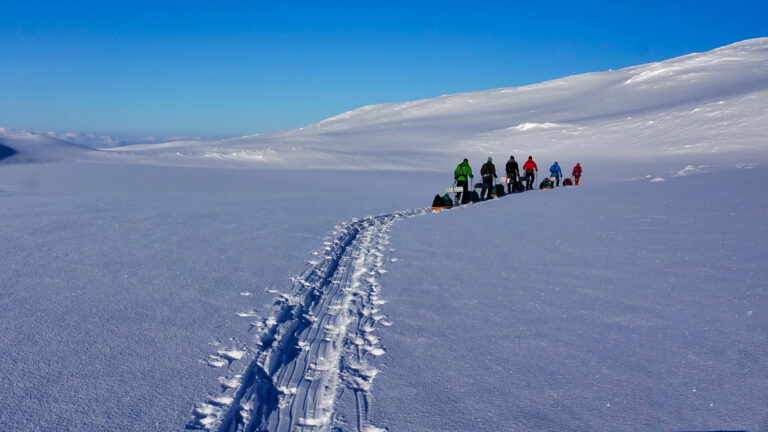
(567, 182)
(470, 197)
(518, 186)
(546, 184)
(442, 201)
(438, 201)
(498, 190)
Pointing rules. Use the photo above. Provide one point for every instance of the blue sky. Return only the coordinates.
(161, 68)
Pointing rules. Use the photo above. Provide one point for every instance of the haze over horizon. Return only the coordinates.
(145, 69)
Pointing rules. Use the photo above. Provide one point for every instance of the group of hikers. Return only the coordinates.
(463, 173)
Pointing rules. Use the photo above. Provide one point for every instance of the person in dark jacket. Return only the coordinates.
(513, 172)
(488, 171)
(462, 174)
(529, 167)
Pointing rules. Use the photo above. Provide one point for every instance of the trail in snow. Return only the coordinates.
(318, 342)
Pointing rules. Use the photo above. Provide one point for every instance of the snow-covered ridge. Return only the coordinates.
(39, 146)
(24, 147)
(734, 68)
(696, 107)
(91, 141)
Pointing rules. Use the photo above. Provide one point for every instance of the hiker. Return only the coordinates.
(576, 173)
(513, 172)
(529, 167)
(462, 174)
(488, 171)
(556, 173)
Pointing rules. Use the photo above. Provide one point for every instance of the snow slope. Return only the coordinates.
(142, 297)
(632, 306)
(712, 106)
(27, 147)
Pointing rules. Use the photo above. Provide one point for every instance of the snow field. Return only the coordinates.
(319, 339)
(120, 282)
(633, 306)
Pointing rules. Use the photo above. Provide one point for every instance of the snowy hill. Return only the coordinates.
(26, 147)
(37, 146)
(698, 108)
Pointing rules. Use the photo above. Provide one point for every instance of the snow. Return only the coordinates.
(708, 105)
(295, 280)
(627, 306)
(528, 126)
(120, 284)
(232, 354)
(692, 105)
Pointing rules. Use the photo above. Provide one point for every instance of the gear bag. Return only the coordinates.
(470, 197)
(498, 190)
(442, 201)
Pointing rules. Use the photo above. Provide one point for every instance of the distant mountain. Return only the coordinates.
(25, 147)
(34, 146)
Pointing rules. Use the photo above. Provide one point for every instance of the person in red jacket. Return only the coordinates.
(576, 173)
(529, 167)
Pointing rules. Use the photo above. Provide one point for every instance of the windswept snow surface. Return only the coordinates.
(628, 306)
(121, 286)
(153, 287)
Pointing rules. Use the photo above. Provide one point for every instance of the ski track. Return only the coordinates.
(317, 344)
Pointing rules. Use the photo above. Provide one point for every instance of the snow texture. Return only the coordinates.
(295, 280)
(628, 306)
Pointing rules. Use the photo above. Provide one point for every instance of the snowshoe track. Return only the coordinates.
(317, 343)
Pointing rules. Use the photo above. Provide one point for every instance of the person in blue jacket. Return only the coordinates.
(556, 173)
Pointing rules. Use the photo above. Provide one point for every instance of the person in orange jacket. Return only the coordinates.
(576, 173)
(529, 167)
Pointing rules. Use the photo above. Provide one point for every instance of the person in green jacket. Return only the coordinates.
(462, 174)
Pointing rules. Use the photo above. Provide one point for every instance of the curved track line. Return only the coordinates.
(317, 343)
